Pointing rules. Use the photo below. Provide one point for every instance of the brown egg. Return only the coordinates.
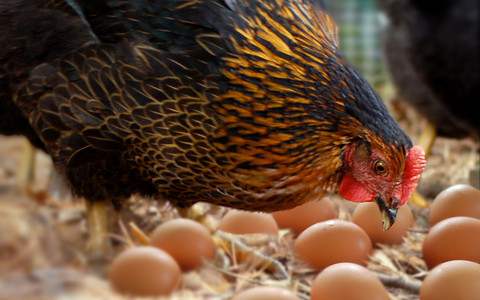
(333, 241)
(244, 222)
(266, 293)
(144, 271)
(347, 281)
(367, 216)
(452, 280)
(457, 200)
(186, 241)
(452, 239)
(301, 217)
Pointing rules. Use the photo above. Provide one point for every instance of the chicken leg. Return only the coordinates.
(98, 244)
(425, 141)
(27, 164)
(428, 136)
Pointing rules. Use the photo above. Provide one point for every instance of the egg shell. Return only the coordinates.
(144, 271)
(186, 241)
(301, 217)
(244, 222)
(347, 281)
(457, 200)
(266, 293)
(368, 217)
(452, 239)
(333, 241)
(452, 280)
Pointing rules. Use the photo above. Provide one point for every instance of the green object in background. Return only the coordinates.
(359, 23)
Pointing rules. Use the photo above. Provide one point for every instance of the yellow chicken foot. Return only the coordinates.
(191, 213)
(98, 245)
(427, 138)
(27, 164)
(425, 141)
(419, 200)
(200, 214)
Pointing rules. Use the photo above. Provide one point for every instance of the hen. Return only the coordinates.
(247, 104)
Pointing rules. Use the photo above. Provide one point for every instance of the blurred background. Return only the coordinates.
(360, 25)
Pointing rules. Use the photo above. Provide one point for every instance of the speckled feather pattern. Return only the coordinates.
(30, 34)
(254, 112)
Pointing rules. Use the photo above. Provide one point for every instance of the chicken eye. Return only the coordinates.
(380, 167)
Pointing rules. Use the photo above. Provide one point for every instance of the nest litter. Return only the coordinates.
(42, 254)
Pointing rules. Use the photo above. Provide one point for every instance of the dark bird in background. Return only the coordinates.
(247, 104)
(433, 56)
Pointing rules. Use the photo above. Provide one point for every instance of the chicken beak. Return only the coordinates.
(388, 214)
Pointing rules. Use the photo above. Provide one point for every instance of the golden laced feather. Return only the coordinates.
(265, 132)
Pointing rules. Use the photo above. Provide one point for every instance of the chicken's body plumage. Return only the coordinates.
(247, 104)
(31, 33)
